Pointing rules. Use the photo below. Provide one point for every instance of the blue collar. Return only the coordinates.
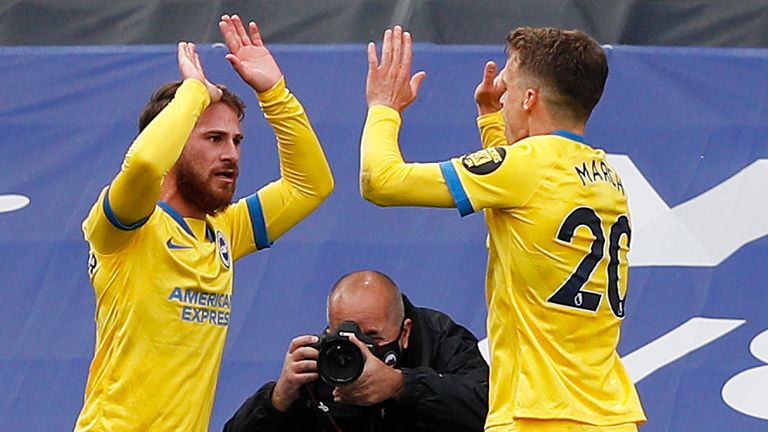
(184, 225)
(569, 135)
(176, 216)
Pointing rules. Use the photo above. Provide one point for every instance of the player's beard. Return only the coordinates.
(199, 188)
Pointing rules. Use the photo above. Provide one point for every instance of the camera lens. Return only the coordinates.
(340, 362)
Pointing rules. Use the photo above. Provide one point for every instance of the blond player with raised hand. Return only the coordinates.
(558, 223)
(164, 236)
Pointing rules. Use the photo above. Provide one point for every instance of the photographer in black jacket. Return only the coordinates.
(438, 382)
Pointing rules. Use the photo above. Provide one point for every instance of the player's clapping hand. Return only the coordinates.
(490, 90)
(390, 82)
(190, 67)
(248, 55)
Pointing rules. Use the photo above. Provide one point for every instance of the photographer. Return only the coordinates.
(434, 378)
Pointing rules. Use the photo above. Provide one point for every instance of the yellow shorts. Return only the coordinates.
(532, 425)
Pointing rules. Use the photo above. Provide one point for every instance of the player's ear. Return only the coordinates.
(531, 98)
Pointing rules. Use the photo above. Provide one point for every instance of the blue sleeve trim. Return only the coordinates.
(257, 222)
(457, 190)
(112, 218)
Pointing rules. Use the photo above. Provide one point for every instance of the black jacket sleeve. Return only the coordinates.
(445, 376)
(258, 414)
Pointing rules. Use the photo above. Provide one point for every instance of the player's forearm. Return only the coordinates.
(303, 165)
(306, 178)
(491, 127)
(385, 179)
(136, 188)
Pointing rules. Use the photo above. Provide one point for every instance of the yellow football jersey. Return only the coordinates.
(559, 233)
(163, 306)
(163, 283)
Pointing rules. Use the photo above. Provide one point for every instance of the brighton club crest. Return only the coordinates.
(224, 252)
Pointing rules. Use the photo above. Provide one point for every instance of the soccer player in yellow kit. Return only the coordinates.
(164, 236)
(557, 217)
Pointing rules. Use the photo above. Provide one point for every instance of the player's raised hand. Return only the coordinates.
(488, 93)
(248, 55)
(190, 67)
(390, 82)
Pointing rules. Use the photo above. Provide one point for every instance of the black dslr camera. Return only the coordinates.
(340, 361)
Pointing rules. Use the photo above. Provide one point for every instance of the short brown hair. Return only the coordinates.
(164, 95)
(570, 62)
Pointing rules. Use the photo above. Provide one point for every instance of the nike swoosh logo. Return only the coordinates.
(172, 245)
